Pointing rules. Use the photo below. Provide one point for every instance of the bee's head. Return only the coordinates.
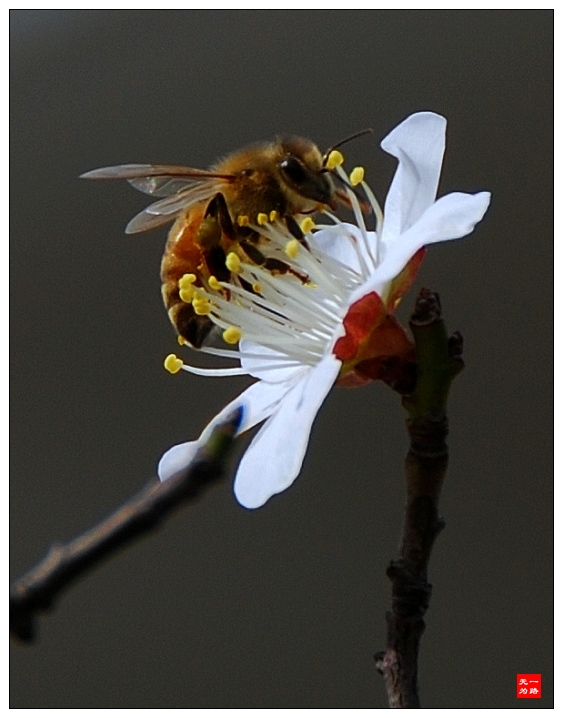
(302, 169)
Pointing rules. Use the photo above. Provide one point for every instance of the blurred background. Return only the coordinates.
(284, 606)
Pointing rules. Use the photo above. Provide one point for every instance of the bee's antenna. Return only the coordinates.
(361, 133)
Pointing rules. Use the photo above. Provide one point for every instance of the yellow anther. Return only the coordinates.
(334, 159)
(187, 293)
(357, 176)
(201, 305)
(262, 218)
(181, 340)
(215, 284)
(307, 225)
(233, 263)
(173, 364)
(292, 248)
(257, 288)
(274, 216)
(242, 220)
(232, 335)
(185, 285)
(186, 281)
(203, 309)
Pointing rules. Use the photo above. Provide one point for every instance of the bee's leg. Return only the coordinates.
(293, 227)
(197, 330)
(218, 209)
(189, 325)
(216, 259)
(295, 230)
(252, 289)
(270, 263)
(253, 253)
(280, 267)
(216, 225)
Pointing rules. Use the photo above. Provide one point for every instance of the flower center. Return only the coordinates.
(294, 300)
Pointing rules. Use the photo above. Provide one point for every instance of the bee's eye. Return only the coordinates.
(293, 170)
(308, 183)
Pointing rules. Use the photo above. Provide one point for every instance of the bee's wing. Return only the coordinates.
(158, 180)
(162, 186)
(180, 186)
(166, 209)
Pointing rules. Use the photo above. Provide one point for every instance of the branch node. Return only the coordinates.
(438, 360)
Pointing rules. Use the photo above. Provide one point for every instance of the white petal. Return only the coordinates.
(274, 458)
(266, 364)
(176, 459)
(334, 243)
(259, 401)
(451, 217)
(418, 143)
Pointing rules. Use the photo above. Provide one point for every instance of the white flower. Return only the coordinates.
(305, 329)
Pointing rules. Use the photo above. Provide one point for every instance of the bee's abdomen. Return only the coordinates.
(189, 325)
(184, 256)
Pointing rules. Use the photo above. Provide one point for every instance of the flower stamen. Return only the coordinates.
(173, 364)
(358, 215)
(292, 248)
(232, 335)
(202, 306)
(307, 225)
(233, 262)
(215, 284)
(334, 160)
(376, 207)
(357, 176)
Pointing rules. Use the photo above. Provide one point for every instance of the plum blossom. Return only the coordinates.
(329, 318)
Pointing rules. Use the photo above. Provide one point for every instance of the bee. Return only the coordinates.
(285, 179)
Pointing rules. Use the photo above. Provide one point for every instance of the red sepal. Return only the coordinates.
(375, 346)
(363, 316)
(404, 280)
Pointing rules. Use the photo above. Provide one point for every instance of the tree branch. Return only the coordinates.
(438, 362)
(36, 591)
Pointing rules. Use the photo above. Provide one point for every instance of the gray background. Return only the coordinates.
(284, 606)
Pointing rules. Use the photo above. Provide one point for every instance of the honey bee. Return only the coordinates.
(284, 179)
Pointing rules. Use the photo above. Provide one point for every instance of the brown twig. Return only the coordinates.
(36, 591)
(438, 362)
